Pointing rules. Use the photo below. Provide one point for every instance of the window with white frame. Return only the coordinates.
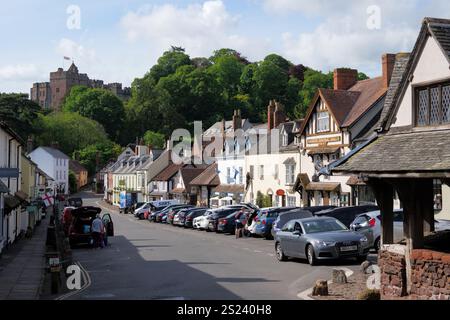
(241, 175)
(291, 201)
(252, 171)
(228, 175)
(323, 121)
(261, 172)
(290, 173)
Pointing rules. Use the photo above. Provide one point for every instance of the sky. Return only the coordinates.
(119, 40)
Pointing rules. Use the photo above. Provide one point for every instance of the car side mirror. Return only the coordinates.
(297, 233)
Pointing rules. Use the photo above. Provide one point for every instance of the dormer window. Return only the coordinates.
(323, 121)
(432, 105)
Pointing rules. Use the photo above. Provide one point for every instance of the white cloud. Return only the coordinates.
(199, 28)
(342, 38)
(18, 71)
(69, 48)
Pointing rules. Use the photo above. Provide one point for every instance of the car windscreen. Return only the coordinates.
(323, 225)
(287, 216)
(346, 215)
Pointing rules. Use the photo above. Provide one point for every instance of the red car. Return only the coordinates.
(79, 230)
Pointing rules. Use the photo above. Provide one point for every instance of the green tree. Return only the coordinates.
(154, 139)
(72, 131)
(20, 113)
(100, 105)
(362, 76)
(101, 152)
(313, 81)
(73, 188)
(168, 63)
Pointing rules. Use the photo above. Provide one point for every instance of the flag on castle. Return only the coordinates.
(48, 199)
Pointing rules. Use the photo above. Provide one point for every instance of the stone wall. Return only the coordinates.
(430, 275)
(392, 264)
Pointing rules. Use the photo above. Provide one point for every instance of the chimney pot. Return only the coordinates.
(237, 120)
(344, 78)
(270, 115)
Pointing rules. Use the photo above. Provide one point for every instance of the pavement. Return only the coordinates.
(22, 266)
(157, 261)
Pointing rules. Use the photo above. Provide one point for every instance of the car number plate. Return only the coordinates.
(349, 248)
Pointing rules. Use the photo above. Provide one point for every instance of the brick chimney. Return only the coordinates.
(237, 120)
(279, 115)
(344, 78)
(270, 115)
(388, 62)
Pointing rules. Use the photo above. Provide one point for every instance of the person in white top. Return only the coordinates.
(97, 231)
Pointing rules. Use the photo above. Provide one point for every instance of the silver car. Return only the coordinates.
(319, 238)
(369, 225)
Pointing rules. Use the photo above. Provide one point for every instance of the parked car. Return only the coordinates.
(173, 211)
(285, 217)
(213, 220)
(265, 218)
(228, 223)
(144, 209)
(369, 224)
(79, 230)
(319, 238)
(346, 215)
(201, 222)
(153, 216)
(192, 214)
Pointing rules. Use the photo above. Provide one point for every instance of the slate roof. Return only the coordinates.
(440, 28)
(188, 174)
(340, 102)
(55, 153)
(411, 152)
(167, 173)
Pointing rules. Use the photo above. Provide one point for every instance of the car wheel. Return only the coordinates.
(310, 254)
(279, 252)
(377, 244)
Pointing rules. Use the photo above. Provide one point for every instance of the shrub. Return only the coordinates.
(369, 294)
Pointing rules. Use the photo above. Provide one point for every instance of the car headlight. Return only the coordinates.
(325, 243)
(363, 239)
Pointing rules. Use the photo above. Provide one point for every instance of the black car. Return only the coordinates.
(228, 224)
(214, 218)
(346, 215)
(191, 215)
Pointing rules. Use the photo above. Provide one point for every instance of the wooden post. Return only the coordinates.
(425, 190)
(384, 194)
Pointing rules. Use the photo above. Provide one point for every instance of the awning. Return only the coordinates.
(230, 188)
(3, 188)
(22, 196)
(11, 202)
(323, 186)
(178, 190)
(355, 181)
(323, 150)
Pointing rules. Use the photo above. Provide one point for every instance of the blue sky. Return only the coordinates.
(120, 40)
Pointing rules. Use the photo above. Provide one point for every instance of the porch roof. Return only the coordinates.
(323, 150)
(420, 154)
(230, 188)
(323, 186)
(178, 190)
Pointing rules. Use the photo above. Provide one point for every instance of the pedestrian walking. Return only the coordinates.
(240, 223)
(97, 229)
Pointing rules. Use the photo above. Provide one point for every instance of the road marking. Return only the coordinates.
(305, 295)
(86, 283)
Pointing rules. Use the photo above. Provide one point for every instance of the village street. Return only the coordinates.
(155, 261)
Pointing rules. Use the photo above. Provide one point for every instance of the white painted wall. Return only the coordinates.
(57, 168)
(432, 66)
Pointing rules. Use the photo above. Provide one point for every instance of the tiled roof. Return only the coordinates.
(440, 28)
(167, 173)
(412, 152)
(76, 167)
(371, 91)
(230, 188)
(340, 102)
(208, 177)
